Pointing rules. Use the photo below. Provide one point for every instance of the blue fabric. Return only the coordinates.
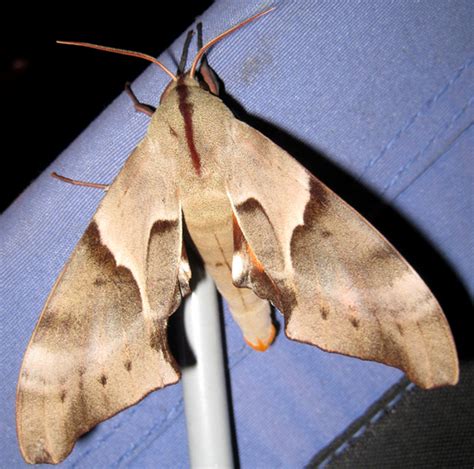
(383, 89)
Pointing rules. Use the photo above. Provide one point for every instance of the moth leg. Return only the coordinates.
(76, 182)
(139, 107)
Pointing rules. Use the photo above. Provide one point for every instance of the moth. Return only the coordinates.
(267, 230)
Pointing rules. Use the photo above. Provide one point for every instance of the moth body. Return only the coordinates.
(197, 126)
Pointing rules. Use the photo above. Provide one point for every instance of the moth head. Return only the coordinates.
(199, 72)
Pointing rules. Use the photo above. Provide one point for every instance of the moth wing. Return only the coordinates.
(338, 282)
(100, 344)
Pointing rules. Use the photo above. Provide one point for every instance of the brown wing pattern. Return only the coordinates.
(100, 344)
(339, 283)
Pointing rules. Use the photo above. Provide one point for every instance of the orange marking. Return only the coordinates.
(261, 346)
(239, 240)
(253, 259)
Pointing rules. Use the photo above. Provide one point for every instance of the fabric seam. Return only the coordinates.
(426, 106)
(361, 425)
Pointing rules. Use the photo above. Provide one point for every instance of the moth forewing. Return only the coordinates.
(345, 288)
(100, 344)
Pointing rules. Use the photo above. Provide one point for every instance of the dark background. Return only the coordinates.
(49, 93)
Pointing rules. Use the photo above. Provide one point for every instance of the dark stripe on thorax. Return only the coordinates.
(186, 110)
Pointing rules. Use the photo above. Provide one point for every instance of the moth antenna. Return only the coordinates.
(184, 54)
(200, 43)
(209, 44)
(208, 75)
(123, 52)
(199, 36)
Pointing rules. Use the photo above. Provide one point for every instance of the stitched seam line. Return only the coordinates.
(177, 410)
(360, 426)
(432, 163)
(433, 139)
(423, 110)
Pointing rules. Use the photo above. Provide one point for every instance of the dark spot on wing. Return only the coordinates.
(98, 282)
(63, 395)
(103, 380)
(355, 322)
(326, 233)
(128, 365)
(324, 312)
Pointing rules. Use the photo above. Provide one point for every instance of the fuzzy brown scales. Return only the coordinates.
(256, 216)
